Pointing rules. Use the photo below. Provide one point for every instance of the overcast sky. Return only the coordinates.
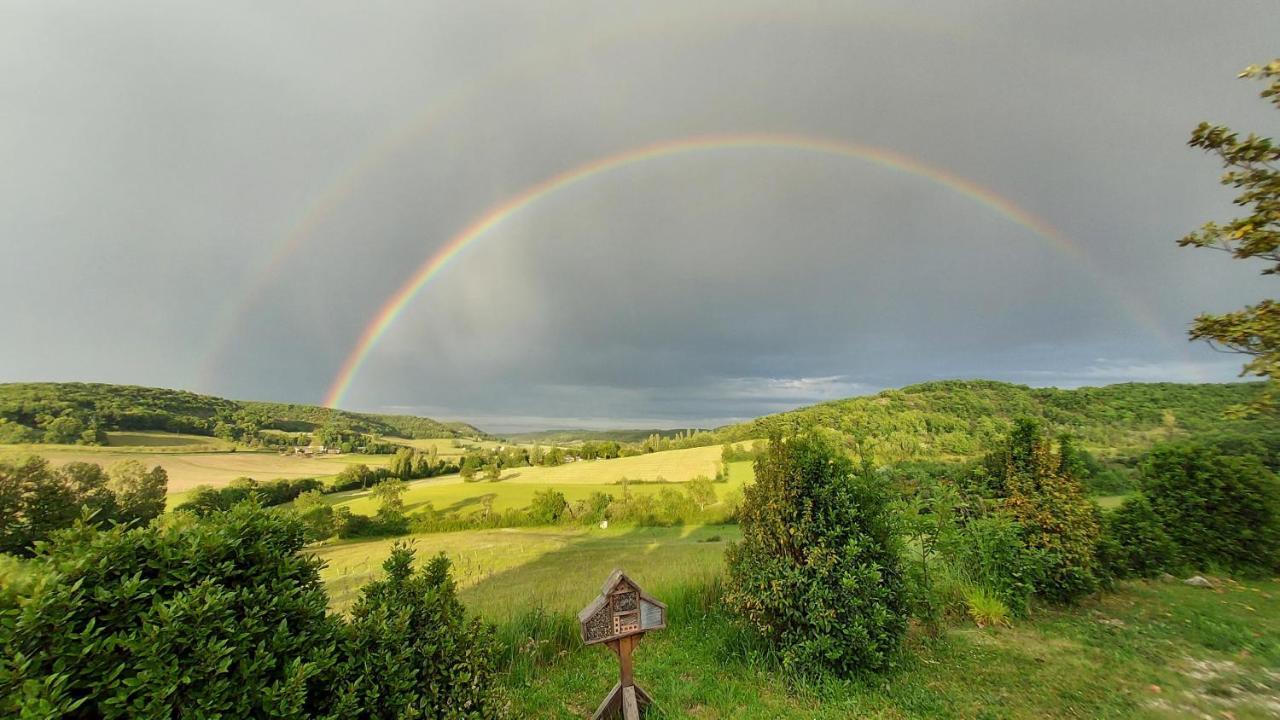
(220, 196)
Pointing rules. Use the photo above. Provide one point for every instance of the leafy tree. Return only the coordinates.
(470, 464)
(1253, 168)
(402, 464)
(390, 495)
(89, 483)
(1052, 511)
(673, 507)
(548, 506)
(1219, 510)
(64, 430)
(352, 477)
(35, 500)
(493, 473)
(140, 493)
(701, 491)
(818, 571)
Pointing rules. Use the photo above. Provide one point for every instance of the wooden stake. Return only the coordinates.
(630, 711)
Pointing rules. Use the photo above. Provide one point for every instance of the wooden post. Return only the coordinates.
(619, 617)
(625, 646)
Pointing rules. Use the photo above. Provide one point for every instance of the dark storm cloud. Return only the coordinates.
(155, 157)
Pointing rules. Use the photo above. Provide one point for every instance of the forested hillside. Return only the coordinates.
(961, 417)
(563, 437)
(81, 412)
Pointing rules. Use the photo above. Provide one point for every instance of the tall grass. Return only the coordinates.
(537, 636)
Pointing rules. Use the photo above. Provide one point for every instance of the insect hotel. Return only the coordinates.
(619, 616)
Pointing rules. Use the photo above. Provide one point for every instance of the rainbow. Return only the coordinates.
(537, 62)
(496, 215)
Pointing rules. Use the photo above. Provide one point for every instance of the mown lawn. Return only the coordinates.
(1150, 650)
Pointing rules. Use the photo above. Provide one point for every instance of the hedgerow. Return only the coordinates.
(224, 617)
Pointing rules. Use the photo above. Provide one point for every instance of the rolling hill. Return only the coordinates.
(28, 409)
(961, 417)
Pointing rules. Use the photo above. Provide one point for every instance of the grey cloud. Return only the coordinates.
(156, 155)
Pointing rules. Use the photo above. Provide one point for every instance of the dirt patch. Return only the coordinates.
(1219, 688)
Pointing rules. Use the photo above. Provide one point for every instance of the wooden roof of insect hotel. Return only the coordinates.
(621, 609)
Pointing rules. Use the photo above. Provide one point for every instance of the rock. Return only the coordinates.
(1197, 581)
(1166, 577)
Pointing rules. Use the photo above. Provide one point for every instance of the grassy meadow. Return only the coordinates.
(1148, 650)
(505, 572)
(517, 486)
(192, 460)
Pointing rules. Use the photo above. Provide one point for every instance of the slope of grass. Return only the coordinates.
(517, 486)
(164, 441)
(1152, 650)
(504, 573)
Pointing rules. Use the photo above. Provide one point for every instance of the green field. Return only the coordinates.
(188, 468)
(505, 572)
(1148, 650)
(577, 481)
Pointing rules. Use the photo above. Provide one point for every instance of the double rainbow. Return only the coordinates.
(496, 215)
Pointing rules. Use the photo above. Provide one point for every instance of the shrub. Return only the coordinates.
(1052, 510)
(410, 650)
(220, 617)
(1220, 510)
(1134, 544)
(817, 573)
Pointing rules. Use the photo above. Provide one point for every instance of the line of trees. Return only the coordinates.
(37, 499)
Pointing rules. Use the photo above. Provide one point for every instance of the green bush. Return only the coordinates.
(222, 617)
(818, 572)
(1221, 511)
(548, 506)
(411, 651)
(1042, 495)
(1134, 544)
(217, 618)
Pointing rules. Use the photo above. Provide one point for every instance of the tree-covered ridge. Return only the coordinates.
(80, 412)
(960, 417)
(574, 435)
